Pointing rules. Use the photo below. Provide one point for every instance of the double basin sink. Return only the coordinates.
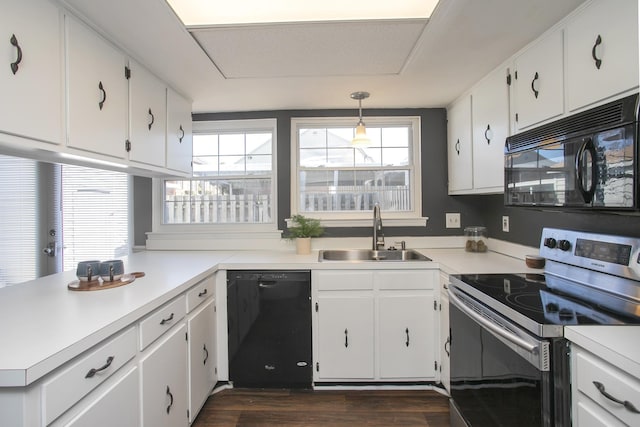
(371, 255)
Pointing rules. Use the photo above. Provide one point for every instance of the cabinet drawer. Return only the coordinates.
(339, 280)
(622, 386)
(161, 321)
(405, 279)
(71, 384)
(199, 293)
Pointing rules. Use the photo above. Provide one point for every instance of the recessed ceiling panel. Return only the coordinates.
(311, 49)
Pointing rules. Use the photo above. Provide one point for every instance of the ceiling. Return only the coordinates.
(403, 63)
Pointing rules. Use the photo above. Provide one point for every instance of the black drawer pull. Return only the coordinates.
(346, 338)
(103, 97)
(203, 293)
(458, 147)
(447, 344)
(206, 354)
(406, 331)
(153, 119)
(181, 136)
(597, 60)
(170, 399)
(167, 320)
(94, 371)
(488, 134)
(14, 42)
(628, 405)
(533, 87)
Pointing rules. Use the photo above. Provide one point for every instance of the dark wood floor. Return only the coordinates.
(254, 407)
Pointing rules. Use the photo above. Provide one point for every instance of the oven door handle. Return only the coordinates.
(531, 348)
(587, 193)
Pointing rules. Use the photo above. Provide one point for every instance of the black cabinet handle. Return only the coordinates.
(406, 331)
(533, 88)
(597, 60)
(167, 320)
(14, 42)
(628, 405)
(153, 119)
(170, 399)
(104, 95)
(203, 293)
(206, 354)
(346, 338)
(458, 146)
(488, 134)
(94, 371)
(447, 343)
(181, 136)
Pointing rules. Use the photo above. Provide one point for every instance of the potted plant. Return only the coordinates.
(303, 229)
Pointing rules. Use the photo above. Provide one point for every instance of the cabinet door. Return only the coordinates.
(459, 145)
(602, 52)
(490, 117)
(538, 87)
(406, 336)
(445, 338)
(148, 117)
(179, 133)
(345, 338)
(97, 92)
(164, 381)
(32, 97)
(118, 406)
(202, 357)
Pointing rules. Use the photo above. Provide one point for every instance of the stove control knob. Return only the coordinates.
(550, 242)
(552, 307)
(564, 245)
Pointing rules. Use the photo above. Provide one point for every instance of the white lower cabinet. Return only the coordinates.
(118, 405)
(202, 356)
(164, 381)
(345, 337)
(445, 336)
(406, 344)
(374, 325)
(603, 394)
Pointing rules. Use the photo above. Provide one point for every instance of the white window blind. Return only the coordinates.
(18, 217)
(95, 214)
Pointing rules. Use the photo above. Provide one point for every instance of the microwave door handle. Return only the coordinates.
(587, 194)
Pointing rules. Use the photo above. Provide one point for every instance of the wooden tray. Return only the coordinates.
(97, 285)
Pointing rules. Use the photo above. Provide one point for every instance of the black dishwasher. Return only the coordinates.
(269, 327)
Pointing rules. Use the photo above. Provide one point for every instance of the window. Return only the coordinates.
(335, 180)
(233, 176)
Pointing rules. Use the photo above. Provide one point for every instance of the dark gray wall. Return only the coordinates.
(525, 223)
(435, 201)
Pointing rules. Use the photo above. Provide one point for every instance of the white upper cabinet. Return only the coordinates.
(490, 119)
(602, 52)
(459, 145)
(31, 70)
(97, 93)
(179, 133)
(148, 116)
(538, 82)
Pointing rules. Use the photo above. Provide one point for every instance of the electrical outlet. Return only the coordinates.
(505, 224)
(452, 220)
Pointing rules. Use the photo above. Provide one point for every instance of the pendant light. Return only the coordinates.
(361, 138)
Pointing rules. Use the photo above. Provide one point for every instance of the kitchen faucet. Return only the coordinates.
(378, 235)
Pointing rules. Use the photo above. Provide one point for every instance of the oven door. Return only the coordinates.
(502, 376)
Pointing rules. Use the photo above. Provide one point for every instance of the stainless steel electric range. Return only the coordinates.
(509, 357)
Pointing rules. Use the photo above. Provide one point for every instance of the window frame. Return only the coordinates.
(215, 126)
(357, 218)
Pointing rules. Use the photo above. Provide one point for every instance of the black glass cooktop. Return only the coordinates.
(528, 295)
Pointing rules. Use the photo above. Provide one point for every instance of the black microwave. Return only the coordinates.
(584, 161)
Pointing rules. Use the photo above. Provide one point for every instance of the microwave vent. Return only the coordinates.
(604, 117)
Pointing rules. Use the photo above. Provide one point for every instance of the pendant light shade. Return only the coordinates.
(361, 138)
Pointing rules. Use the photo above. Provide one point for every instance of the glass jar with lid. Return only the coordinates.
(476, 239)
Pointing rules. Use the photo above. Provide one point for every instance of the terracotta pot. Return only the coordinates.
(303, 245)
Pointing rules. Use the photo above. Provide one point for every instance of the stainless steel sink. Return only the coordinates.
(371, 255)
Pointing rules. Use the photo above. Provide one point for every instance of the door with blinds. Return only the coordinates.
(53, 216)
